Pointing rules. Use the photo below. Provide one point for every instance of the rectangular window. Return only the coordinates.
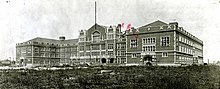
(164, 54)
(103, 46)
(95, 47)
(102, 53)
(81, 39)
(123, 53)
(81, 48)
(134, 55)
(110, 46)
(150, 40)
(118, 52)
(180, 49)
(36, 50)
(165, 41)
(118, 46)
(95, 53)
(110, 36)
(149, 48)
(81, 54)
(110, 52)
(123, 46)
(133, 43)
(123, 60)
(180, 38)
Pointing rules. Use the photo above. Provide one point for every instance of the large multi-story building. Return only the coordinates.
(162, 43)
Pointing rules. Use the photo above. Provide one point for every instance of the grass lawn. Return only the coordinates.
(125, 77)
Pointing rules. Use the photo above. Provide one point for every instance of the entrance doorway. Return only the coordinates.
(148, 58)
(103, 60)
(112, 60)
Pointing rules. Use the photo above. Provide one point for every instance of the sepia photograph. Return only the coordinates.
(109, 44)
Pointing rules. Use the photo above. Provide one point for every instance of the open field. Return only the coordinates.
(126, 77)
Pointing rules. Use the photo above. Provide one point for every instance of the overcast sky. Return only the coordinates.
(22, 20)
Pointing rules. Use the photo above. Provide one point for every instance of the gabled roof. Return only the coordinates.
(97, 26)
(155, 23)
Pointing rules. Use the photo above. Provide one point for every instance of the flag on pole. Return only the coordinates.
(122, 25)
(128, 27)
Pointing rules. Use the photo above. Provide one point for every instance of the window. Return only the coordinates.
(110, 52)
(133, 43)
(95, 47)
(123, 60)
(123, 53)
(81, 54)
(123, 46)
(118, 53)
(81, 39)
(164, 54)
(149, 48)
(150, 40)
(134, 55)
(102, 53)
(110, 36)
(180, 38)
(95, 53)
(165, 41)
(110, 46)
(81, 48)
(118, 46)
(103, 46)
(29, 50)
(96, 36)
(36, 50)
(180, 50)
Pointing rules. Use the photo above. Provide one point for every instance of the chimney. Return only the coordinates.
(174, 25)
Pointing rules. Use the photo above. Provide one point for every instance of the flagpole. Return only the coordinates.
(95, 14)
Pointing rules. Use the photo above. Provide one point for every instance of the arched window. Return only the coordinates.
(96, 36)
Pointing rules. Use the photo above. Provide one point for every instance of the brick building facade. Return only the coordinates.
(159, 41)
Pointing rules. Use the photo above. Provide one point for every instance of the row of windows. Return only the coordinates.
(164, 54)
(110, 46)
(150, 40)
(149, 48)
(185, 50)
(184, 59)
(121, 46)
(185, 40)
(121, 60)
(121, 53)
(165, 41)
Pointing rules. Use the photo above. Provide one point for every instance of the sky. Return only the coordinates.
(22, 20)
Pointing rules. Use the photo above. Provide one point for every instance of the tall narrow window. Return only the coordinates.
(96, 36)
